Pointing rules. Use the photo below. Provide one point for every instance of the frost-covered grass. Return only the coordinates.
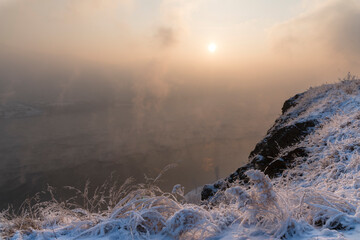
(316, 199)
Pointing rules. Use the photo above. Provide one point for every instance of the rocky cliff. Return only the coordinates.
(283, 146)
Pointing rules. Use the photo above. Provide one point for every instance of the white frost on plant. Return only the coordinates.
(178, 189)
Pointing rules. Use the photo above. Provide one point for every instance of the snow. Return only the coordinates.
(316, 199)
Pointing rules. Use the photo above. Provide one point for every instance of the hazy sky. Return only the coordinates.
(291, 44)
(123, 31)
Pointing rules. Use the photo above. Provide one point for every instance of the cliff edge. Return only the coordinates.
(291, 140)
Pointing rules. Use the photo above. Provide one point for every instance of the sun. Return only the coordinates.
(212, 47)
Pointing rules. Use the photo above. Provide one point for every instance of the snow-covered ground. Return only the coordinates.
(318, 198)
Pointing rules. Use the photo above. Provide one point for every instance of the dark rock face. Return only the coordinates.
(291, 102)
(268, 155)
(276, 167)
(209, 190)
(265, 153)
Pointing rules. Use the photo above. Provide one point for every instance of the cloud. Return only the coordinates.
(175, 16)
(166, 36)
(329, 29)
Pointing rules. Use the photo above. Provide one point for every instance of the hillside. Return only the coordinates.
(302, 182)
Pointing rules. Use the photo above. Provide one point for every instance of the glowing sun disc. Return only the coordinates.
(212, 47)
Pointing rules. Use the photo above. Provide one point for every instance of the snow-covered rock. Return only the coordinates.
(287, 141)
